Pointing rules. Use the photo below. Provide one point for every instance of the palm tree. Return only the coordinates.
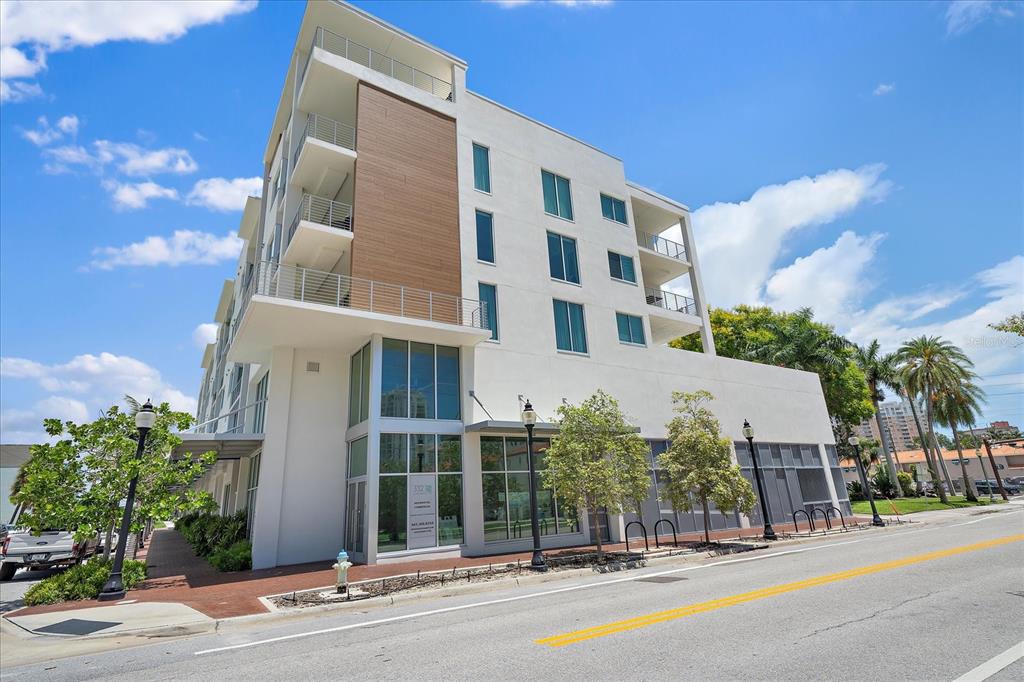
(879, 369)
(801, 343)
(929, 365)
(954, 407)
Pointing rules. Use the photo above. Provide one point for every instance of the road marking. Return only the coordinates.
(993, 665)
(764, 593)
(571, 588)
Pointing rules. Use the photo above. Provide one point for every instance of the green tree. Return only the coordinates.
(944, 441)
(878, 370)
(1014, 324)
(958, 406)
(697, 461)
(597, 460)
(929, 364)
(78, 481)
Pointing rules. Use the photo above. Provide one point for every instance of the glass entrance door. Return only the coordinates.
(355, 515)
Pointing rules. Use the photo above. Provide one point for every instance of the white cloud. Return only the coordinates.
(41, 28)
(205, 333)
(964, 15)
(131, 196)
(222, 194)
(129, 158)
(740, 243)
(45, 134)
(884, 89)
(200, 137)
(81, 388)
(830, 280)
(184, 247)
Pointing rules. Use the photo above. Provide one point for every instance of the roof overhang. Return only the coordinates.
(226, 445)
(250, 218)
(499, 426)
(208, 355)
(227, 292)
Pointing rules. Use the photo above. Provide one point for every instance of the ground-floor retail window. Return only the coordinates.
(419, 502)
(506, 491)
(252, 486)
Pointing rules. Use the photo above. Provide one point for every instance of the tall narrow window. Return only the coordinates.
(419, 381)
(394, 393)
(570, 327)
(562, 260)
(489, 297)
(557, 195)
(631, 328)
(481, 168)
(484, 236)
(449, 405)
(613, 209)
(260, 410)
(621, 267)
(359, 386)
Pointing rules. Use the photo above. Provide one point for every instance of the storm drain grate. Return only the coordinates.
(660, 579)
(77, 626)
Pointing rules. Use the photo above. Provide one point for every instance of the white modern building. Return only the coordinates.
(421, 259)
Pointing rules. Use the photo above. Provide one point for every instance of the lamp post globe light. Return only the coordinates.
(876, 520)
(769, 532)
(529, 420)
(145, 418)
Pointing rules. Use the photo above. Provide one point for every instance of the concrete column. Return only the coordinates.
(373, 447)
(707, 339)
(827, 467)
(272, 465)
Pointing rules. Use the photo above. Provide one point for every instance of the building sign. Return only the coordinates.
(422, 511)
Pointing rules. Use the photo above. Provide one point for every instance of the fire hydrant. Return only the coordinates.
(342, 568)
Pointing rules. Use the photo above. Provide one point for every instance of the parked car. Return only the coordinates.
(49, 549)
(990, 486)
(1015, 480)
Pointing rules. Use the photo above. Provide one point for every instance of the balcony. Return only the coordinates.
(661, 260)
(320, 233)
(671, 315)
(286, 305)
(325, 155)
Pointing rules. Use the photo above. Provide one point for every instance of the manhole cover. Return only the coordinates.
(77, 626)
(660, 579)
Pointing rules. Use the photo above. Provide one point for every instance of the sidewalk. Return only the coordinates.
(178, 576)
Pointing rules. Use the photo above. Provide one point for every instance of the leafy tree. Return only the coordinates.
(597, 459)
(78, 481)
(944, 441)
(1014, 324)
(957, 406)
(878, 370)
(698, 463)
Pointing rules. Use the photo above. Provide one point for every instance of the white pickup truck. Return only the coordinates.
(48, 549)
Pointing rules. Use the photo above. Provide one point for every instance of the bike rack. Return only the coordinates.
(647, 546)
(837, 510)
(810, 521)
(675, 540)
(828, 523)
(517, 531)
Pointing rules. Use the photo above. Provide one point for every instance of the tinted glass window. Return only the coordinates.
(489, 296)
(394, 398)
(481, 168)
(484, 237)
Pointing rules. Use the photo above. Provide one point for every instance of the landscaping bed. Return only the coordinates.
(912, 505)
(83, 581)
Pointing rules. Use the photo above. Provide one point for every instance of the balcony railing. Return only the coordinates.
(322, 212)
(326, 288)
(661, 245)
(326, 130)
(671, 301)
(360, 54)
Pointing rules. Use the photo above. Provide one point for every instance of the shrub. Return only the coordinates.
(83, 581)
(237, 557)
(906, 484)
(855, 491)
(885, 486)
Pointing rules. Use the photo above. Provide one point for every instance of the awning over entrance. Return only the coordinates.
(497, 426)
(226, 445)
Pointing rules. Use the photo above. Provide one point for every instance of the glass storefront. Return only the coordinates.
(419, 381)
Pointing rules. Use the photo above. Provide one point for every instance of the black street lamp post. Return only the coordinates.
(114, 587)
(876, 520)
(769, 532)
(529, 419)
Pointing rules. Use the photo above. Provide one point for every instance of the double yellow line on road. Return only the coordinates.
(763, 593)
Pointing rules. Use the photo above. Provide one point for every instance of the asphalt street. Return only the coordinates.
(929, 602)
(12, 593)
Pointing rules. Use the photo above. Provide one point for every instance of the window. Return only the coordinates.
(506, 491)
(621, 267)
(484, 237)
(613, 209)
(570, 328)
(631, 328)
(420, 503)
(481, 168)
(562, 259)
(359, 386)
(489, 297)
(357, 458)
(260, 411)
(419, 381)
(250, 492)
(557, 196)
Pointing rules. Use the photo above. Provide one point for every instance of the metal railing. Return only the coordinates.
(322, 212)
(326, 130)
(234, 420)
(661, 245)
(671, 301)
(360, 54)
(326, 288)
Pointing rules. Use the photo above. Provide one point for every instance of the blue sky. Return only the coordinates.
(864, 159)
